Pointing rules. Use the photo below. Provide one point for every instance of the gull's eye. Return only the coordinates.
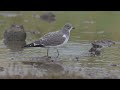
(67, 26)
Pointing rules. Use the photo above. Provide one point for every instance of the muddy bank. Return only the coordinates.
(32, 70)
(74, 62)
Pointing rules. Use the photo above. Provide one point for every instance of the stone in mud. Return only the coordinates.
(14, 37)
(48, 17)
(15, 33)
(1, 68)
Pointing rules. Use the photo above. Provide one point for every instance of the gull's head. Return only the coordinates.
(68, 27)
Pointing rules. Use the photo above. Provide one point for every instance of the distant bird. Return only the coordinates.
(95, 50)
(53, 39)
(95, 45)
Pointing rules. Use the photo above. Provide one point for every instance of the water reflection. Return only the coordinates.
(30, 64)
(15, 46)
(48, 64)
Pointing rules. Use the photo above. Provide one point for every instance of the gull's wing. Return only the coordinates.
(51, 39)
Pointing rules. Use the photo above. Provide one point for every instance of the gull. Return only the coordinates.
(53, 39)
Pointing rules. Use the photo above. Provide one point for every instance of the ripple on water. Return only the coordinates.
(66, 62)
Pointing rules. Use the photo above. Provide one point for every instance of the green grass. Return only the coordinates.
(107, 21)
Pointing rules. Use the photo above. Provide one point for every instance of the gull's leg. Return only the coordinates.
(47, 51)
(57, 52)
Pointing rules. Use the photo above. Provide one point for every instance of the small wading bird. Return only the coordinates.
(53, 39)
(95, 49)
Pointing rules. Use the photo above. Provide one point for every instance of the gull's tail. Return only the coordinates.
(34, 45)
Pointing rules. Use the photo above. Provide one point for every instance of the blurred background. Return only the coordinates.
(90, 25)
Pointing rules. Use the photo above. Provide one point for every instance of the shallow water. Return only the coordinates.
(9, 13)
(74, 60)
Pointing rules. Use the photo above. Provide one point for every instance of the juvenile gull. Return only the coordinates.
(53, 39)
